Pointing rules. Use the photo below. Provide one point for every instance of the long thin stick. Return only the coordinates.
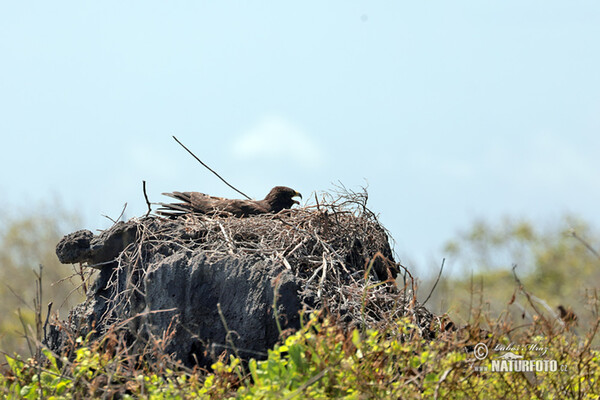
(46, 323)
(211, 170)
(436, 282)
(586, 244)
(146, 197)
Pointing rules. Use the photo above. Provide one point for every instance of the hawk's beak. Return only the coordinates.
(296, 194)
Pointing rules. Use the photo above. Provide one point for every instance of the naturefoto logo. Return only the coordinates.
(509, 361)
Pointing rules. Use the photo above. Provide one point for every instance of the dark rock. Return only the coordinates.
(182, 289)
(110, 243)
(75, 247)
(83, 247)
(206, 296)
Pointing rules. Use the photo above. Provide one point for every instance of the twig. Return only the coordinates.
(146, 197)
(37, 302)
(585, 243)
(322, 276)
(317, 201)
(471, 290)
(312, 381)
(412, 280)
(309, 280)
(19, 297)
(227, 239)
(25, 335)
(46, 323)
(227, 335)
(142, 314)
(436, 282)
(211, 170)
(283, 260)
(277, 283)
(119, 217)
(442, 379)
(83, 278)
(525, 292)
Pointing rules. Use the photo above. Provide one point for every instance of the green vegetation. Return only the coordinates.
(320, 361)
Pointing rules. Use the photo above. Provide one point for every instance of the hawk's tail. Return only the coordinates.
(174, 210)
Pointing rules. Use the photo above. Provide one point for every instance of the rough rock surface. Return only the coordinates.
(82, 246)
(183, 290)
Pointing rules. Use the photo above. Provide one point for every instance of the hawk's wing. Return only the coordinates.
(200, 203)
(243, 208)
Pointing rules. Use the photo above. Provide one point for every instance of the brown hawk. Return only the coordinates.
(279, 198)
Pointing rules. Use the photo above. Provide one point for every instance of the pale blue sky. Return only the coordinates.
(450, 110)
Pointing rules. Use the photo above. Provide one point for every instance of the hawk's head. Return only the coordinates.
(281, 197)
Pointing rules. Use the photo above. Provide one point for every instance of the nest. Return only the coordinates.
(336, 248)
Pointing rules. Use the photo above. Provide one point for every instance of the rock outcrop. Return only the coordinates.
(198, 286)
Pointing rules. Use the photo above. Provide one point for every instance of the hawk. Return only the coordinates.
(279, 198)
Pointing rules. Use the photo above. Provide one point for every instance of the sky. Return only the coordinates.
(449, 111)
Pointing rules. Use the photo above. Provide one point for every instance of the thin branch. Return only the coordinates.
(211, 170)
(46, 323)
(442, 378)
(228, 332)
(312, 380)
(146, 197)
(436, 282)
(585, 243)
(525, 292)
(19, 297)
(317, 201)
(414, 290)
(119, 217)
(25, 335)
(128, 320)
(470, 296)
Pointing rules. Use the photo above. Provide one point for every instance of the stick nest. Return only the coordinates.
(336, 248)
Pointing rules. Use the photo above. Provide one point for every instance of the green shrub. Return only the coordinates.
(322, 361)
